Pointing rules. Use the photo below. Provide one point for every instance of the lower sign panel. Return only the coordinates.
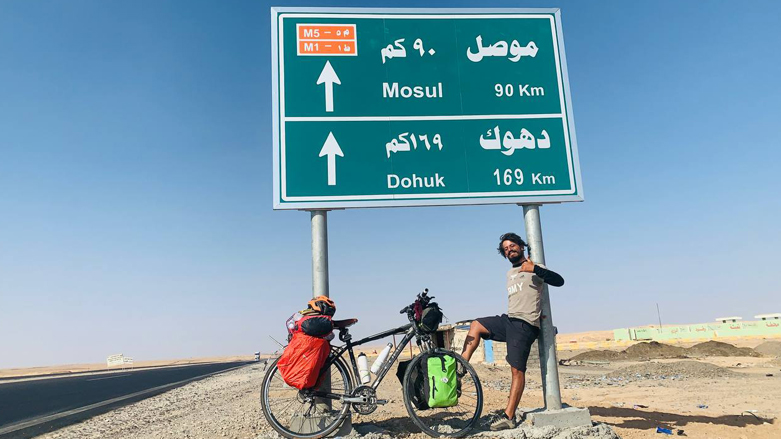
(425, 162)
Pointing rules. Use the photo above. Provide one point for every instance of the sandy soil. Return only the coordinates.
(633, 397)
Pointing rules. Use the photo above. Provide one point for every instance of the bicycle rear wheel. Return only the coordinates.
(299, 414)
(454, 421)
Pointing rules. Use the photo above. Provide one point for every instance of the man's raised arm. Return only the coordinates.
(550, 277)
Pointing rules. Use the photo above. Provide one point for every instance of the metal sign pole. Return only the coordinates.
(547, 340)
(320, 253)
(320, 288)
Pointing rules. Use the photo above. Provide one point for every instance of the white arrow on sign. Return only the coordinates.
(331, 149)
(328, 76)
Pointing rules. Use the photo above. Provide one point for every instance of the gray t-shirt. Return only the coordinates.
(523, 295)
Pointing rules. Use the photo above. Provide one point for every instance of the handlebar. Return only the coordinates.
(423, 298)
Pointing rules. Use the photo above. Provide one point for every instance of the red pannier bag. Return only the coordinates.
(302, 360)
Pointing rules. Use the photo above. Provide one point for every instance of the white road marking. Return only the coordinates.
(108, 378)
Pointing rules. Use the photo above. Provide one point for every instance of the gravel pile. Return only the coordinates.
(523, 431)
(641, 351)
(769, 349)
(599, 356)
(676, 371)
(719, 349)
(656, 351)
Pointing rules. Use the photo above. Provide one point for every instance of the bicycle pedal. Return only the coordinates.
(381, 401)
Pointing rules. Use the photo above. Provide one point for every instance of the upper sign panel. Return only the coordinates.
(420, 107)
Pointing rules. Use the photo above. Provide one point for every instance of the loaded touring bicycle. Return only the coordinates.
(441, 391)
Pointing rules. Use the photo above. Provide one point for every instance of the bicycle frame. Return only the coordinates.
(409, 332)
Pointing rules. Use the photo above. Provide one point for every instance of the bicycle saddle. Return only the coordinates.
(341, 324)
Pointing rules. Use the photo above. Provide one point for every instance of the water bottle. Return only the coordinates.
(363, 368)
(381, 359)
(291, 322)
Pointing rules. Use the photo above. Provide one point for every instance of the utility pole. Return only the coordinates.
(320, 253)
(553, 414)
(547, 339)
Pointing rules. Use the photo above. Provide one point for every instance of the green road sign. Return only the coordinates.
(415, 107)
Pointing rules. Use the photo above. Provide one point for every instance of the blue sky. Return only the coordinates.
(135, 183)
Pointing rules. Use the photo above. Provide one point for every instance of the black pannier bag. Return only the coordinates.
(316, 325)
(418, 378)
(430, 318)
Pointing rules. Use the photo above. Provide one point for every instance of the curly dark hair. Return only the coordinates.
(510, 237)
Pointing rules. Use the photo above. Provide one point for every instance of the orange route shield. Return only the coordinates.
(326, 40)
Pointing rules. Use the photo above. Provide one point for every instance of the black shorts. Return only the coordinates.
(518, 334)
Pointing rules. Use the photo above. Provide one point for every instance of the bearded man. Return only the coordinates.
(521, 325)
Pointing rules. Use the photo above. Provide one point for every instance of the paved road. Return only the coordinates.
(29, 408)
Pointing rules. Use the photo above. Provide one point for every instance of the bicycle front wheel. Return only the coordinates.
(455, 421)
(298, 414)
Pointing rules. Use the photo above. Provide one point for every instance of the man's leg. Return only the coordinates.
(520, 336)
(516, 391)
(472, 341)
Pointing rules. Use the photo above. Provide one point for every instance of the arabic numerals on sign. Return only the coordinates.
(408, 141)
(508, 177)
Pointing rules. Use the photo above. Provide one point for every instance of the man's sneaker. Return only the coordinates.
(491, 417)
(502, 423)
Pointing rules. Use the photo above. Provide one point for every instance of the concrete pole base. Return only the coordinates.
(565, 418)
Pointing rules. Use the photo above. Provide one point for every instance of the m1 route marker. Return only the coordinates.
(429, 107)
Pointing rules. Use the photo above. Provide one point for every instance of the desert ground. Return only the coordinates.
(712, 390)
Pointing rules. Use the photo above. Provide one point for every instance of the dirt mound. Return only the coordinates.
(599, 356)
(676, 370)
(653, 350)
(769, 349)
(719, 349)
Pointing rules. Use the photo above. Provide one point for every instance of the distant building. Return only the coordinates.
(766, 326)
(776, 316)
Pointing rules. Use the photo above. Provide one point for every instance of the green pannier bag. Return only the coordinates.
(441, 385)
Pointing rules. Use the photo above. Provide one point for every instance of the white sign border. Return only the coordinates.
(409, 200)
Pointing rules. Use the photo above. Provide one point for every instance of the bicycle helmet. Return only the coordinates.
(323, 305)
